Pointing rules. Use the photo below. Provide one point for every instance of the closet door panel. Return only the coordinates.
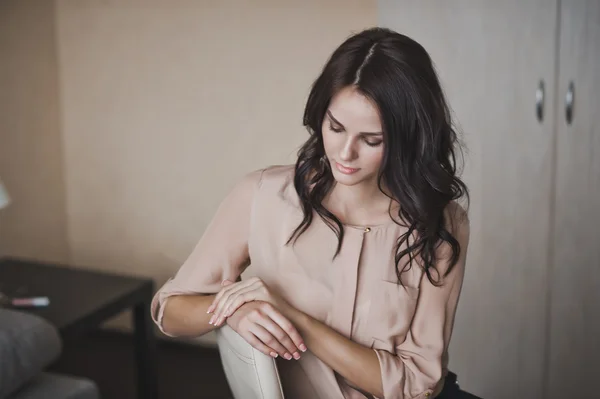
(574, 365)
(491, 57)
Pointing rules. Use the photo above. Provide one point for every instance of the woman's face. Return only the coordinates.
(353, 138)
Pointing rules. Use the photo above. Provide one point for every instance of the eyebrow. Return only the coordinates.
(363, 133)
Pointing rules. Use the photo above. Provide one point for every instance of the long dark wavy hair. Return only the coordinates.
(419, 168)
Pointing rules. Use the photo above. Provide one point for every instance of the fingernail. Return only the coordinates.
(212, 320)
(287, 356)
(296, 355)
(302, 347)
(274, 355)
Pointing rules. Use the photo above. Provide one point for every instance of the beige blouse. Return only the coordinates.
(357, 293)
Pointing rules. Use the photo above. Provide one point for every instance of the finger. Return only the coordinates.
(211, 308)
(269, 340)
(220, 301)
(258, 344)
(222, 296)
(238, 297)
(283, 339)
(286, 325)
(239, 300)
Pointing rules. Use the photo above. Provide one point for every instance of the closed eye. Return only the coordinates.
(373, 143)
(335, 129)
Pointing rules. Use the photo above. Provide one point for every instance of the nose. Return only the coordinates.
(348, 152)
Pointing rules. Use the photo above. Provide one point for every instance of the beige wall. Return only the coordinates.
(163, 105)
(31, 159)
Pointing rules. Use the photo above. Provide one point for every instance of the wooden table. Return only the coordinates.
(80, 300)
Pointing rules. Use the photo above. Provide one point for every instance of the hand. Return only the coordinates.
(234, 295)
(267, 330)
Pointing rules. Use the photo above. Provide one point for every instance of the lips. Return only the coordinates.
(346, 170)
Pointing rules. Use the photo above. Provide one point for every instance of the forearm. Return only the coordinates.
(359, 365)
(185, 315)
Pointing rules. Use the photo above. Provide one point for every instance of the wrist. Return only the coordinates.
(299, 319)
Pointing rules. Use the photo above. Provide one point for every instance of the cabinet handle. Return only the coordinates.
(570, 102)
(539, 101)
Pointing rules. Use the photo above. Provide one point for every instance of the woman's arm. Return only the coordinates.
(185, 315)
(356, 363)
(412, 370)
(220, 254)
(263, 327)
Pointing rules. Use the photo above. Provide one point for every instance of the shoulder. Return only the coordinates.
(278, 175)
(272, 179)
(270, 174)
(278, 181)
(457, 222)
(247, 184)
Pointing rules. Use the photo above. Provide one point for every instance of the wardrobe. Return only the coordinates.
(523, 80)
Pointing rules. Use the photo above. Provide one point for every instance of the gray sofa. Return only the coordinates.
(28, 344)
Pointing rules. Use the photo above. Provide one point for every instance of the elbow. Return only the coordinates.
(183, 316)
(167, 318)
(168, 329)
(164, 312)
(407, 378)
(161, 317)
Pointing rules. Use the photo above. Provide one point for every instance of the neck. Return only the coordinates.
(358, 196)
(360, 204)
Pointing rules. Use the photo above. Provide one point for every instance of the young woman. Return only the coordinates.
(358, 250)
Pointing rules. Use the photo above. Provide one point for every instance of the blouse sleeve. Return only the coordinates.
(416, 369)
(221, 253)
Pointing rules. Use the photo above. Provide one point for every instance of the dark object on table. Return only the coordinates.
(24, 302)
